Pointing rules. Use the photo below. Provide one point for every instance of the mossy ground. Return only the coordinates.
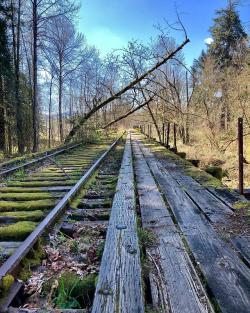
(6, 282)
(26, 196)
(26, 205)
(42, 183)
(74, 292)
(242, 205)
(33, 259)
(35, 216)
(201, 176)
(17, 231)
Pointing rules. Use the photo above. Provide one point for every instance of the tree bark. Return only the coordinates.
(60, 102)
(2, 117)
(50, 109)
(155, 123)
(34, 83)
(19, 109)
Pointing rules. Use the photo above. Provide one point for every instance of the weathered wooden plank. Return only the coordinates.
(119, 288)
(173, 263)
(216, 204)
(227, 276)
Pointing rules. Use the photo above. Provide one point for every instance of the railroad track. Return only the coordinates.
(97, 198)
(26, 198)
(136, 242)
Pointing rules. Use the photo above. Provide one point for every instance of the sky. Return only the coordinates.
(110, 24)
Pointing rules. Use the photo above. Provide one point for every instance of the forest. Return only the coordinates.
(56, 88)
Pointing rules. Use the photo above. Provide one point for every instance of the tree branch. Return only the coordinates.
(122, 91)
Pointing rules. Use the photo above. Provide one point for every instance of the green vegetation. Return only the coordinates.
(215, 171)
(73, 292)
(146, 237)
(202, 177)
(35, 216)
(26, 205)
(100, 250)
(74, 247)
(6, 282)
(25, 196)
(181, 155)
(17, 231)
(32, 260)
(42, 183)
(241, 205)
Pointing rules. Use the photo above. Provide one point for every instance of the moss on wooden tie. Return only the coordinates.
(18, 231)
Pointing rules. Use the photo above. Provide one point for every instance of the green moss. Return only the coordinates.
(26, 196)
(42, 183)
(26, 205)
(241, 205)
(32, 260)
(201, 176)
(146, 237)
(90, 183)
(20, 189)
(74, 247)
(6, 282)
(215, 171)
(74, 292)
(36, 215)
(17, 231)
(182, 155)
(100, 250)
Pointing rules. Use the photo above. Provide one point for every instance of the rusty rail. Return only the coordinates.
(13, 261)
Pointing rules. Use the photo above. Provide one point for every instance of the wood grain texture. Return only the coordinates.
(226, 275)
(216, 204)
(119, 288)
(177, 287)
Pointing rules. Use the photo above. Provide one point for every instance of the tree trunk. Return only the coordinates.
(2, 117)
(50, 108)
(155, 123)
(34, 98)
(186, 136)
(19, 109)
(60, 103)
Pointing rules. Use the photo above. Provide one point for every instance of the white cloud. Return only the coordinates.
(208, 40)
(105, 40)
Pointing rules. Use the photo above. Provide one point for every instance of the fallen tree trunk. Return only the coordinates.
(122, 91)
(129, 113)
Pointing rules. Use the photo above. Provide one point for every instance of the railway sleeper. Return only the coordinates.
(81, 237)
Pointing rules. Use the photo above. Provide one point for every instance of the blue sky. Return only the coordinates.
(110, 24)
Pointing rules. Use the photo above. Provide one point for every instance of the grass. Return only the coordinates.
(74, 292)
(146, 238)
(26, 205)
(18, 231)
(34, 216)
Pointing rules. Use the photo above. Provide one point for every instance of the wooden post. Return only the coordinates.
(240, 154)
(175, 145)
(168, 134)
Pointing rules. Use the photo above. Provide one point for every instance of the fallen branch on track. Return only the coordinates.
(129, 113)
(122, 91)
